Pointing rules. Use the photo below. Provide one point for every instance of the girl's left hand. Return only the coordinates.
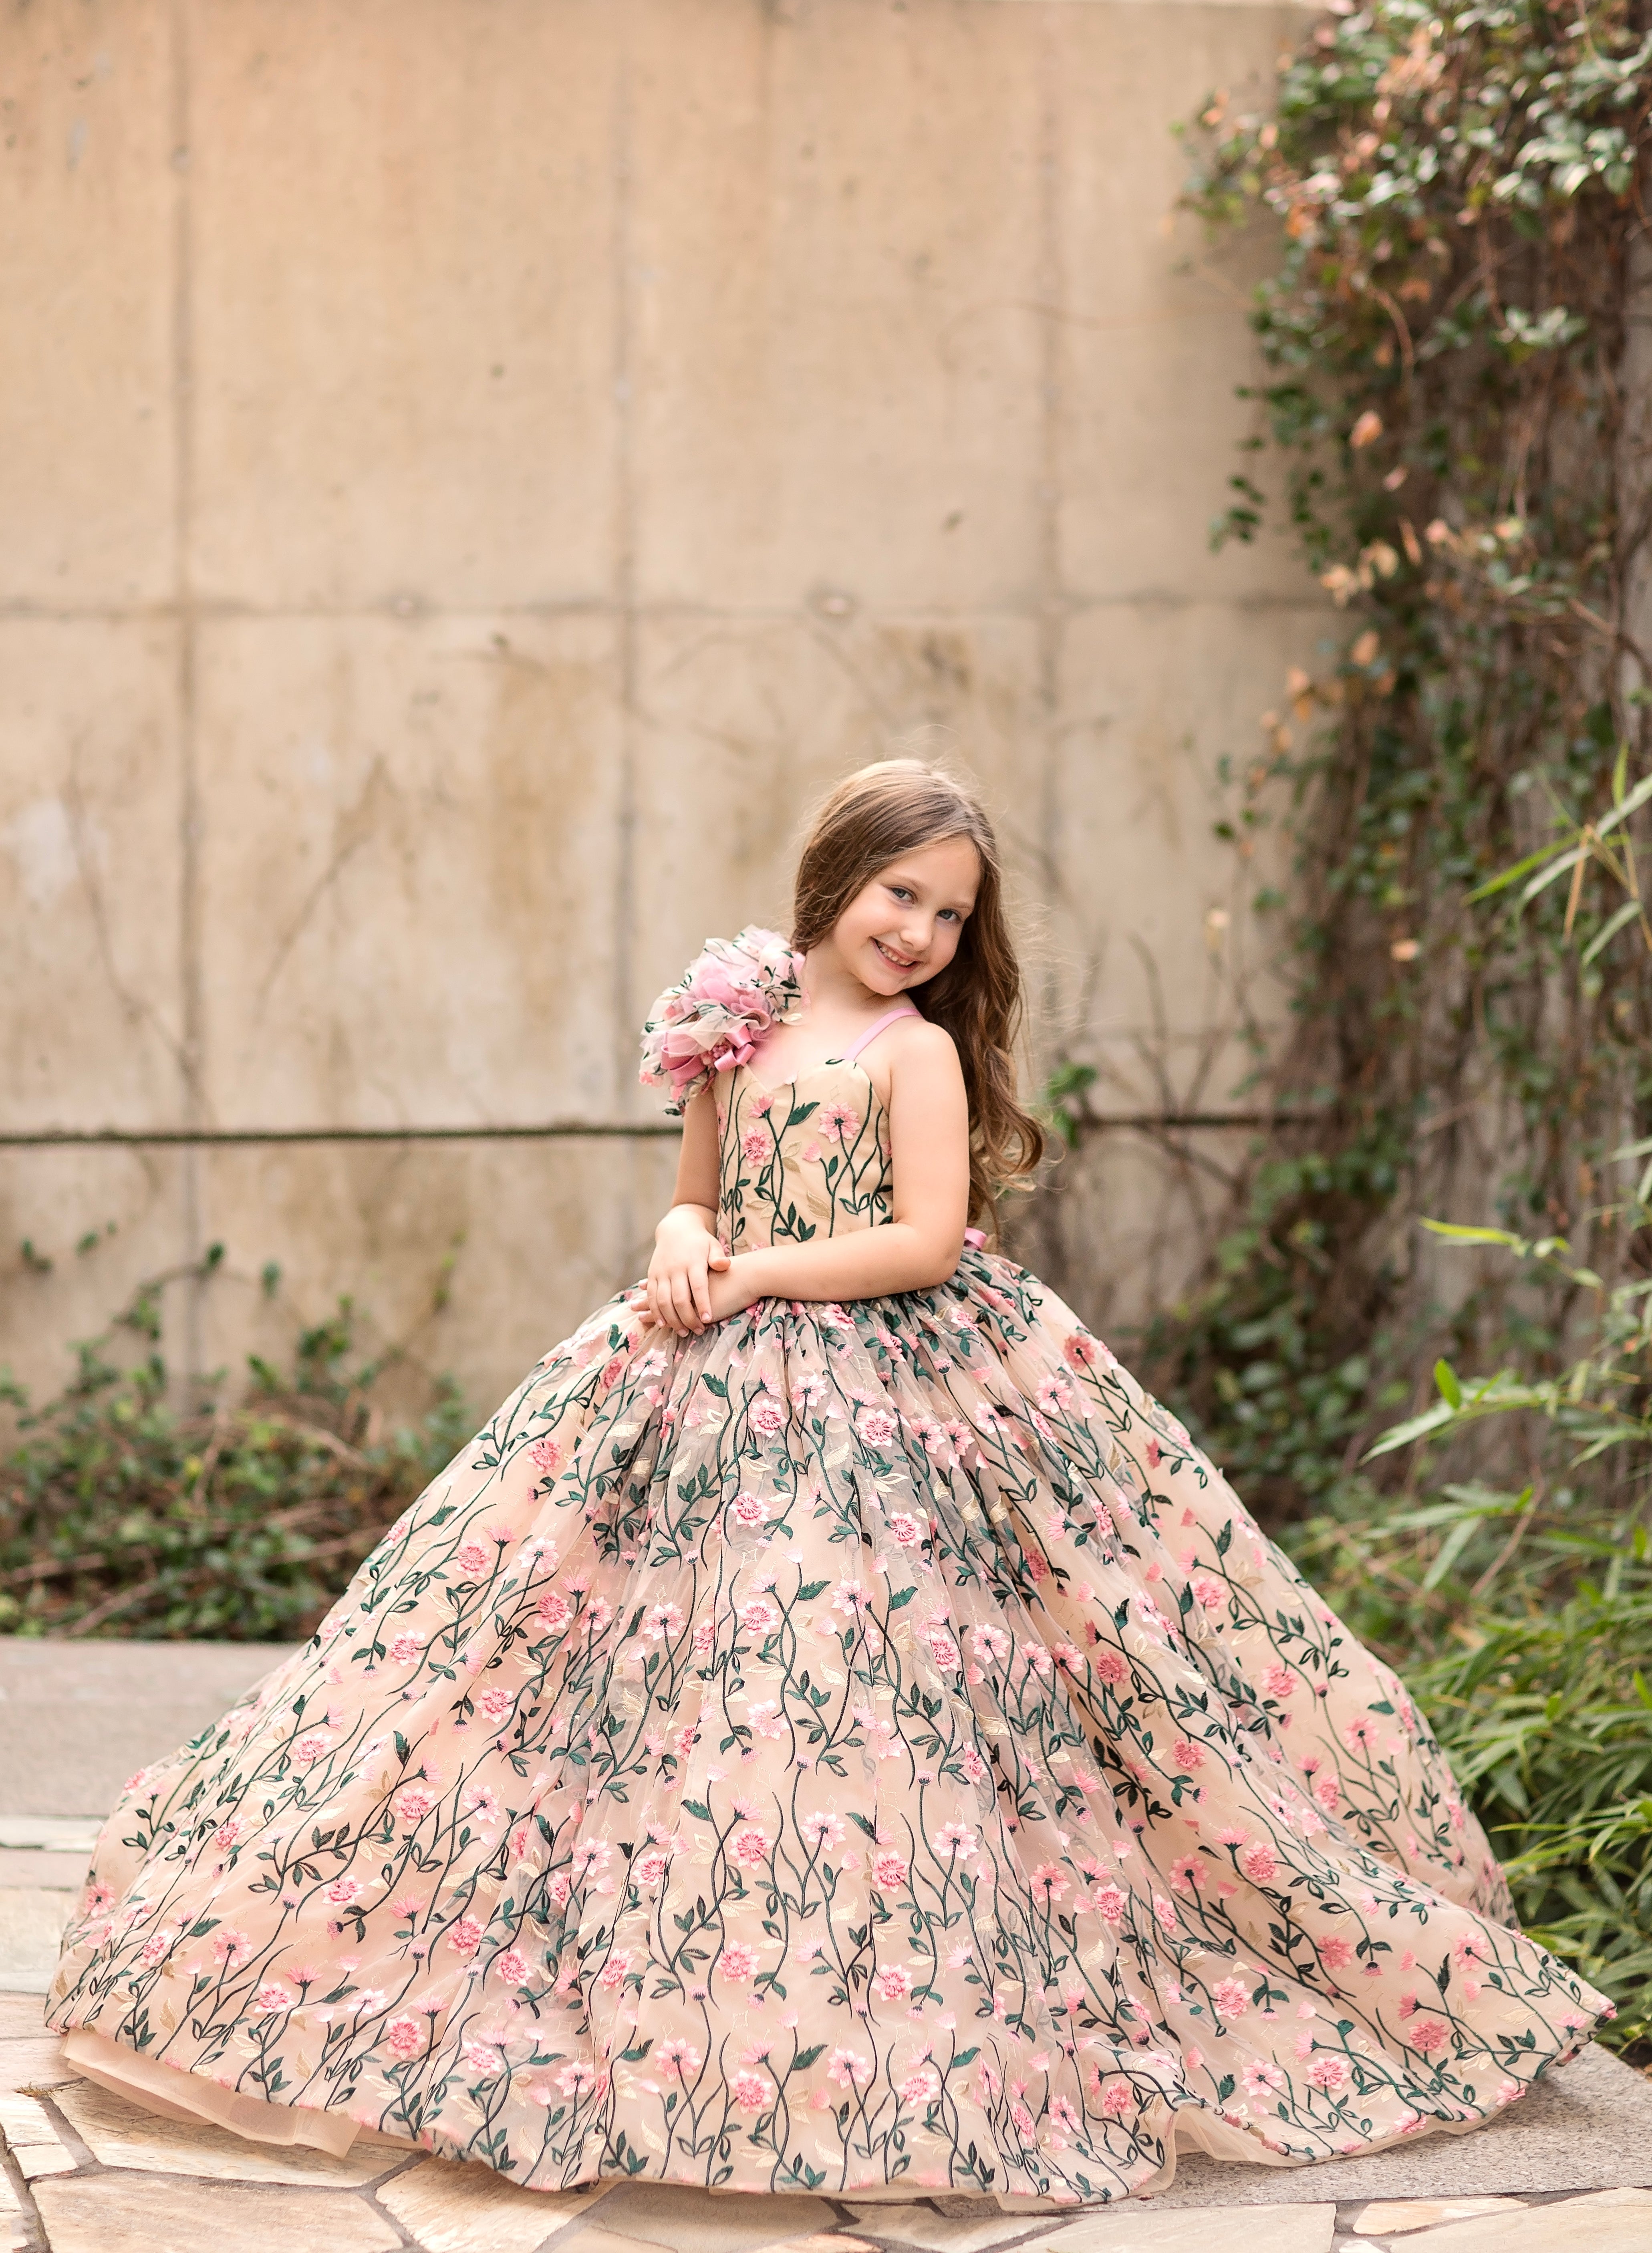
(731, 1291)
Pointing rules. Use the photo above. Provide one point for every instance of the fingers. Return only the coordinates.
(682, 1299)
(679, 1299)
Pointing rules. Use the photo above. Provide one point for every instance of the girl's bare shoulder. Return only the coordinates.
(918, 1052)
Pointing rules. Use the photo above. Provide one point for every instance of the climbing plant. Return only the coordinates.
(1454, 424)
(1453, 408)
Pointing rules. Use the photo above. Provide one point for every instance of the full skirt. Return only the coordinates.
(859, 1749)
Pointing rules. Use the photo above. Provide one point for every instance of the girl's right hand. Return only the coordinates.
(686, 1252)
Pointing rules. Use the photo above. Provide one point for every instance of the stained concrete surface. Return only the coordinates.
(492, 470)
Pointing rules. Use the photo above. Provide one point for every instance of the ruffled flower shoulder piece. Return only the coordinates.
(717, 1012)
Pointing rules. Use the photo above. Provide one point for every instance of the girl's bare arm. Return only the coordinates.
(687, 1251)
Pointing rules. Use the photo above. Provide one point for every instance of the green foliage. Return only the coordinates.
(119, 1514)
(1523, 1618)
(1466, 782)
(1455, 198)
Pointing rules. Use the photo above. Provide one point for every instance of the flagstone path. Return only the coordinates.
(1569, 2170)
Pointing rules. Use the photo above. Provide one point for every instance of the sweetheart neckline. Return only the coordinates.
(844, 1064)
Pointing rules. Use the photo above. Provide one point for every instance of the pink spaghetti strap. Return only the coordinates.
(872, 1031)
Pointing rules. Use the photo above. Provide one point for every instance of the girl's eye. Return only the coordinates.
(900, 891)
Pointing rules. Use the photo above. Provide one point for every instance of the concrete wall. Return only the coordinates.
(471, 471)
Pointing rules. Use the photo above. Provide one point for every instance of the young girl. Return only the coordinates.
(831, 1731)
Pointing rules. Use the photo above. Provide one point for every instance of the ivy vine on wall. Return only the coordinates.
(1456, 335)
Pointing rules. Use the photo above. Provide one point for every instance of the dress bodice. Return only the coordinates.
(807, 1158)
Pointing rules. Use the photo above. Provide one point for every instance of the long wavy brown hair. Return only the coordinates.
(871, 818)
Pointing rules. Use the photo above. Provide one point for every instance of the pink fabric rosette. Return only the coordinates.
(717, 1012)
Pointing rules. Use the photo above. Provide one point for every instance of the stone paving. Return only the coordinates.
(1568, 2171)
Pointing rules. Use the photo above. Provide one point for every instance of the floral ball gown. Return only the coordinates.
(860, 1748)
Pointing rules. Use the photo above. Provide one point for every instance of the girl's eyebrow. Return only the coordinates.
(916, 884)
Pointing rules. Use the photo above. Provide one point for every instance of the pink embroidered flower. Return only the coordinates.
(1116, 2099)
(1079, 1350)
(1187, 1753)
(889, 1870)
(1048, 1882)
(553, 1608)
(404, 2038)
(839, 1122)
(1260, 1864)
(847, 2068)
(749, 1509)
(1358, 1734)
(513, 1968)
(921, 2086)
(311, 1748)
(759, 1617)
(1328, 1792)
(1330, 2074)
(751, 2091)
(474, 1559)
(406, 1648)
(737, 1961)
(1427, 2034)
(547, 1454)
(824, 1830)
(877, 1427)
(466, 1937)
(955, 1839)
(942, 1649)
(272, 1996)
(1278, 1681)
(575, 2078)
(663, 1619)
(893, 1982)
(1108, 1901)
(1336, 1954)
(750, 1848)
(1231, 1997)
(755, 1145)
(905, 1529)
(678, 2057)
(1261, 2079)
(1107, 1664)
(343, 1891)
(1208, 1591)
(414, 1803)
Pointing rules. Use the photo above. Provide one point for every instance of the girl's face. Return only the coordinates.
(905, 926)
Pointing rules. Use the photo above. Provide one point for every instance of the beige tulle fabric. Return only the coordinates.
(862, 1748)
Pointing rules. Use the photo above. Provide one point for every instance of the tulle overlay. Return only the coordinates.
(859, 1749)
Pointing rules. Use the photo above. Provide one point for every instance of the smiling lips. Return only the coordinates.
(894, 962)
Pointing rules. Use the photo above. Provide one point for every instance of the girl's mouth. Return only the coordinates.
(894, 962)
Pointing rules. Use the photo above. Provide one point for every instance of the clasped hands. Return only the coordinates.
(691, 1280)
